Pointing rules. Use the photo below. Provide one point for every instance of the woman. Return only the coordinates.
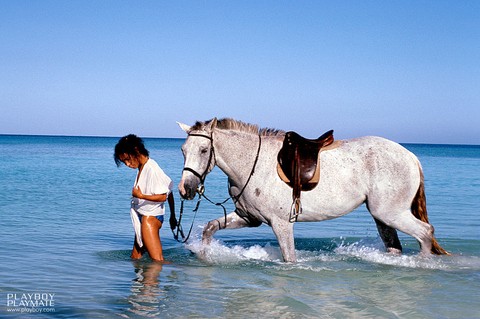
(152, 188)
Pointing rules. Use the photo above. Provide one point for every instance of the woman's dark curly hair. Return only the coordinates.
(131, 145)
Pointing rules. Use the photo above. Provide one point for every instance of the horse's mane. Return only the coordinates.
(231, 124)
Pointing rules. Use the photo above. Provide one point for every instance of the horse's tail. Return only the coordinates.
(419, 210)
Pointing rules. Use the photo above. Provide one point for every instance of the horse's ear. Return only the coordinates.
(186, 128)
(212, 124)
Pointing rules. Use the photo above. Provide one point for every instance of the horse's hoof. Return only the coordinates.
(394, 251)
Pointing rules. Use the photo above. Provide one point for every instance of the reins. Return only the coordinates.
(179, 230)
(201, 191)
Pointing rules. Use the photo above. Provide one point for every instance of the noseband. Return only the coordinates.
(212, 154)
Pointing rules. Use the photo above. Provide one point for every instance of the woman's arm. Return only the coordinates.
(137, 192)
(173, 218)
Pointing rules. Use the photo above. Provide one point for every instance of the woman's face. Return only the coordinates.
(130, 160)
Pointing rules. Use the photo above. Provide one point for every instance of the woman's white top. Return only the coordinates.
(152, 181)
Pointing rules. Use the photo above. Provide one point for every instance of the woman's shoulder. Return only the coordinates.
(157, 171)
(153, 165)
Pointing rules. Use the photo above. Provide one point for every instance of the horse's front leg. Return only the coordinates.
(283, 230)
(231, 221)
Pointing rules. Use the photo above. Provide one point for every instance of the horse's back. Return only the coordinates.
(379, 164)
(363, 168)
(375, 148)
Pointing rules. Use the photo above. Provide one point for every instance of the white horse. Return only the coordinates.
(371, 170)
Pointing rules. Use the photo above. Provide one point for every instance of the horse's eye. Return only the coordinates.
(203, 150)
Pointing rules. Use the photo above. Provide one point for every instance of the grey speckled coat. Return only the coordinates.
(372, 170)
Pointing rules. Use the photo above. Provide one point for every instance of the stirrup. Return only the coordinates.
(295, 210)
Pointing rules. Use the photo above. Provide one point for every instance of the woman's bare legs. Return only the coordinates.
(137, 251)
(151, 237)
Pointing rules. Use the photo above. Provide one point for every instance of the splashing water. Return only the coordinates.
(218, 253)
(365, 250)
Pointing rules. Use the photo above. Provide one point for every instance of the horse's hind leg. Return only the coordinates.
(389, 237)
(231, 221)
(405, 222)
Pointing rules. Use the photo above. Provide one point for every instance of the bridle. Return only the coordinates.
(201, 188)
(212, 156)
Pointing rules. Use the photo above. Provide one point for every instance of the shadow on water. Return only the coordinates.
(114, 255)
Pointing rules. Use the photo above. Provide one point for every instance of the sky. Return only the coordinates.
(405, 70)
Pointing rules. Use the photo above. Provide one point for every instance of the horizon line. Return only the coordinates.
(179, 138)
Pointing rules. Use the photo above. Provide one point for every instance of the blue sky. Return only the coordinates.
(405, 70)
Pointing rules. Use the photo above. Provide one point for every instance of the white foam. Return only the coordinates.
(375, 253)
(219, 253)
(371, 251)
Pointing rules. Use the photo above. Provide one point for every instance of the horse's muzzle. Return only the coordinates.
(188, 188)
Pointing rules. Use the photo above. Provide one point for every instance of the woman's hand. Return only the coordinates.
(137, 192)
(173, 222)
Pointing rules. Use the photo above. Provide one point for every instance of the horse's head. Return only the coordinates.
(199, 157)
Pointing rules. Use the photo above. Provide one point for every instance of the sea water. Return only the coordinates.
(66, 238)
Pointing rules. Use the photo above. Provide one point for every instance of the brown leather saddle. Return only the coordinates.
(298, 165)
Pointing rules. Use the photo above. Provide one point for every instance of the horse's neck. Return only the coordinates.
(235, 153)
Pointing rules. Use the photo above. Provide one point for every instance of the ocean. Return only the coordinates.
(67, 236)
